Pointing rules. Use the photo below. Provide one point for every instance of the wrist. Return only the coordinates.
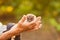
(19, 27)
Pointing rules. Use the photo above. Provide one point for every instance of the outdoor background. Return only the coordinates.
(49, 10)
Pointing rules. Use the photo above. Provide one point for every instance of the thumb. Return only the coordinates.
(23, 19)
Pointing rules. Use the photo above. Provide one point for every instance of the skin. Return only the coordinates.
(22, 26)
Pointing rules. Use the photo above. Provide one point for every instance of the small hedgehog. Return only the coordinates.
(31, 17)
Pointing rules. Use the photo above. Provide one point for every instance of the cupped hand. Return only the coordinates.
(29, 26)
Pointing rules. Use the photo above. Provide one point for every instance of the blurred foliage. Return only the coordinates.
(13, 10)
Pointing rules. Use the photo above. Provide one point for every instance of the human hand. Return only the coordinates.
(28, 26)
(22, 26)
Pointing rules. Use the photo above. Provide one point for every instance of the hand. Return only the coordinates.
(30, 26)
(22, 26)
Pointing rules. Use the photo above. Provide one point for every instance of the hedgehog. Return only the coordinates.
(31, 17)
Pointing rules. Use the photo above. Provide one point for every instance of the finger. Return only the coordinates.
(40, 25)
(38, 18)
(36, 28)
(31, 23)
(37, 25)
(32, 26)
(23, 19)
